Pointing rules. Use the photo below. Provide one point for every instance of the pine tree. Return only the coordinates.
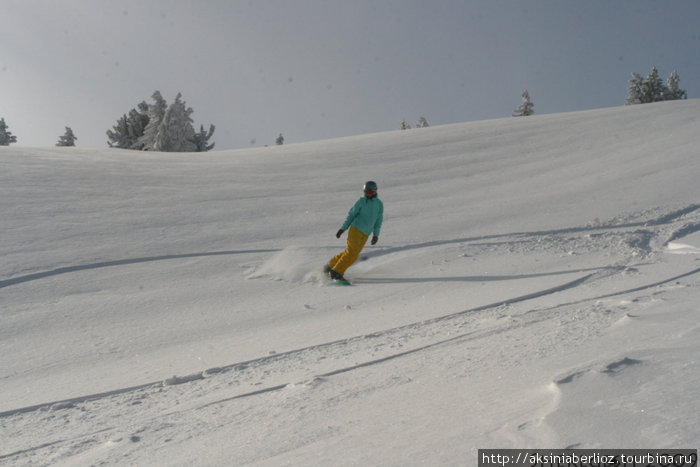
(155, 114)
(280, 140)
(175, 132)
(654, 89)
(674, 91)
(526, 108)
(129, 130)
(201, 139)
(68, 138)
(160, 127)
(6, 137)
(137, 122)
(404, 125)
(635, 91)
(118, 136)
(422, 123)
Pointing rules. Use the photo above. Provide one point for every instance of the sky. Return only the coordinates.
(318, 69)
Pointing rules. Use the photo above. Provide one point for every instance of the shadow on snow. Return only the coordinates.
(120, 262)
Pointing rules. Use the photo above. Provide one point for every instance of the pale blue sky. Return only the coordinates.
(316, 69)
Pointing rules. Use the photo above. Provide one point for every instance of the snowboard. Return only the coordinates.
(326, 272)
(340, 282)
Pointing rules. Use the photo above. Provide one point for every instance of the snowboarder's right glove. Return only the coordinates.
(340, 232)
(375, 239)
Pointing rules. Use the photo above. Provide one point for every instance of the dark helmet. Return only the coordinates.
(370, 185)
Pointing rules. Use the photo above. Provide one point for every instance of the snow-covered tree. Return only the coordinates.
(155, 114)
(526, 108)
(129, 130)
(404, 125)
(160, 127)
(635, 91)
(422, 123)
(201, 139)
(137, 122)
(175, 132)
(67, 139)
(674, 90)
(280, 140)
(118, 136)
(6, 137)
(654, 88)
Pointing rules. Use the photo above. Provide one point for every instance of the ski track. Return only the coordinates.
(598, 273)
(120, 262)
(426, 334)
(666, 219)
(433, 331)
(70, 403)
(274, 373)
(669, 218)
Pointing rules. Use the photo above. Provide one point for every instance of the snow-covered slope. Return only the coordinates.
(535, 285)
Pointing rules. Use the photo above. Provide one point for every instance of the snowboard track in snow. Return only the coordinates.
(420, 324)
(87, 439)
(669, 218)
(70, 403)
(597, 274)
(665, 219)
(120, 262)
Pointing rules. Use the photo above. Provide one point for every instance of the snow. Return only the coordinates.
(536, 284)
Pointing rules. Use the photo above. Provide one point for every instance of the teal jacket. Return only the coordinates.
(366, 216)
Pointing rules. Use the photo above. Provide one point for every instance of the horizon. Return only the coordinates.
(314, 70)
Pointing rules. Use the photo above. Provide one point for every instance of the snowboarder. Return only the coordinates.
(364, 218)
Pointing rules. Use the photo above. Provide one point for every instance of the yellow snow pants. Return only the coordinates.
(356, 242)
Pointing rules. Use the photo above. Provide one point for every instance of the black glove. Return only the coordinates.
(375, 239)
(340, 232)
